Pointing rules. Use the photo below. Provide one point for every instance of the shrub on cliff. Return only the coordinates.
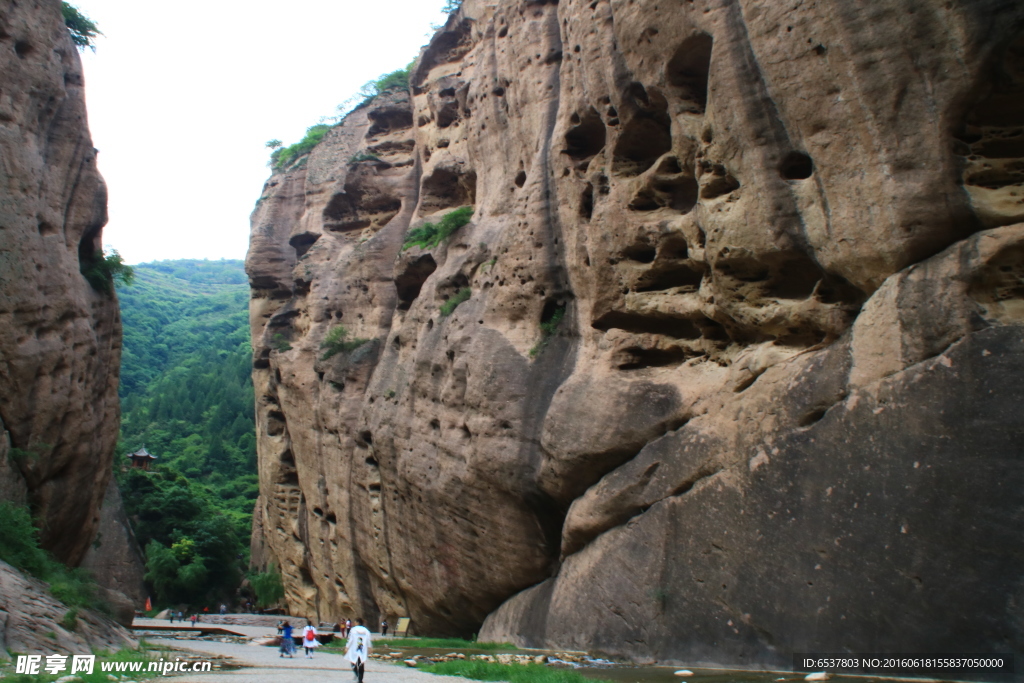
(337, 342)
(429, 235)
(283, 157)
(448, 307)
(82, 29)
(19, 547)
(104, 270)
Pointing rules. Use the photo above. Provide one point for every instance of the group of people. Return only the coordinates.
(309, 639)
(357, 651)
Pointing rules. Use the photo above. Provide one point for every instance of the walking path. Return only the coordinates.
(265, 665)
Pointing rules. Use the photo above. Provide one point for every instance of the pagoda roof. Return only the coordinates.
(141, 453)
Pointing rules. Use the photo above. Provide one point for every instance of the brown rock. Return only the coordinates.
(665, 407)
(60, 339)
(33, 622)
(115, 560)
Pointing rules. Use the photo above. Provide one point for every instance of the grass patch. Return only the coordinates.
(337, 342)
(283, 157)
(513, 673)
(453, 643)
(280, 342)
(429, 235)
(454, 300)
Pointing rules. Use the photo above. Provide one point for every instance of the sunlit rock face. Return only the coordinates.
(736, 373)
(60, 339)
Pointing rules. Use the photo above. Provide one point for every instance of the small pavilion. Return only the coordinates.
(141, 458)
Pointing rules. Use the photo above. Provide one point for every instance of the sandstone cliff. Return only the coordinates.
(60, 339)
(736, 373)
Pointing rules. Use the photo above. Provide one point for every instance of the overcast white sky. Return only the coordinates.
(183, 95)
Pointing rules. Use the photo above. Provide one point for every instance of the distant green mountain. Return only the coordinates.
(186, 395)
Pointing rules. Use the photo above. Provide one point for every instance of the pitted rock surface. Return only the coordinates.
(60, 340)
(736, 368)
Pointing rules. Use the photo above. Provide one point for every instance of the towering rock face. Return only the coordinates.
(735, 375)
(60, 339)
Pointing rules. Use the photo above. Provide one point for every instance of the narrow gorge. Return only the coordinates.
(725, 365)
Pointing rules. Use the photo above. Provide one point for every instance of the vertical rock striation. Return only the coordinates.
(60, 339)
(735, 374)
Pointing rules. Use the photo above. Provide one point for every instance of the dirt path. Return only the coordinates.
(264, 665)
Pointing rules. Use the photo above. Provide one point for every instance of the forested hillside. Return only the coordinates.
(186, 395)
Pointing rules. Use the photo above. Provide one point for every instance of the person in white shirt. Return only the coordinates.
(358, 649)
(309, 640)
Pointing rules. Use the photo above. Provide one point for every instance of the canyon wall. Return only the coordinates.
(724, 365)
(60, 338)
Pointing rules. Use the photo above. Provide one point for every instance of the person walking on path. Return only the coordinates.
(287, 644)
(194, 617)
(309, 640)
(348, 627)
(384, 629)
(358, 649)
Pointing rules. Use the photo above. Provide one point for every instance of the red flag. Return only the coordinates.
(149, 605)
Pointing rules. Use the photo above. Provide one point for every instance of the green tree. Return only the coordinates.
(83, 30)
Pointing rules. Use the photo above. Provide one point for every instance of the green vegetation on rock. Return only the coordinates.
(103, 271)
(83, 30)
(284, 157)
(448, 307)
(337, 342)
(186, 395)
(19, 547)
(429, 235)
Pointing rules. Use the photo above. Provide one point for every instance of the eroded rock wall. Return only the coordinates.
(735, 372)
(60, 339)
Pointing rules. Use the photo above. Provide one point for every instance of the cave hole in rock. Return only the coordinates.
(446, 188)
(641, 253)
(332, 518)
(586, 138)
(796, 166)
(388, 119)
(668, 275)
(688, 69)
(716, 181)
(275, 423)
(372, 461)
(358, 207)
(991, 140)
(435, 424)
(643, 140)
(812, 416)
(409, 281)
(23, 48)
(318, 512)
(679, 194)
(520, 178)
(639, 358)
(366, 437)
(674, 246)
(679, 328)
(587, 202)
